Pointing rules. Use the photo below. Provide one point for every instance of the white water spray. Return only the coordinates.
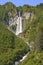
(19, 25)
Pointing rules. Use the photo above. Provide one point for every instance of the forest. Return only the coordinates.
(13, 48)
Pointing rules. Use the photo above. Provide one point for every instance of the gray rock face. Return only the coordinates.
(17, 20)
(26, 15)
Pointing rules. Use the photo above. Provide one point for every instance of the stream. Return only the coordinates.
(16, 62)
(23, 58)
(19, 30)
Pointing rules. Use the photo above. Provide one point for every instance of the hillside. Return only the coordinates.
(34, 58)
(34, 35)
(34, 26)
(7, 11)
(12, 47)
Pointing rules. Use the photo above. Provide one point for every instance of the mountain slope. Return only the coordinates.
(34, 26)
(12, 48)
(34, 35)
(34, 58)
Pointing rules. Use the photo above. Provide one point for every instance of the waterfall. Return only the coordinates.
(17, 20)
(19, 24)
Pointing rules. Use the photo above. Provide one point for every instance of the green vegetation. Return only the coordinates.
(34, 58)
(34, 35)
(11, 47)
(13, 27)
(34, 28)
(7, 11)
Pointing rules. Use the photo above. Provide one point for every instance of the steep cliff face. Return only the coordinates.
(30, 19)
(20, 22)
(9, 15)
(15, 24)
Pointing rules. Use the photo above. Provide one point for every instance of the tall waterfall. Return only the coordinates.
(19, 24)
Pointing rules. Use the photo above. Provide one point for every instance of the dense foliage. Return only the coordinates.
(7, 11)
(34, 58)
(34, 34)
(34, 28)
(11, 47)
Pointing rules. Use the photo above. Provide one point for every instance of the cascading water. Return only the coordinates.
(19, 24)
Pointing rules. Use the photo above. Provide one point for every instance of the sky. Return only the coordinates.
(22, 2)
